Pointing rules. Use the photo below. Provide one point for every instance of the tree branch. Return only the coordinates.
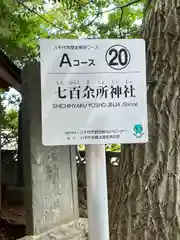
(39, 15)
(100, 13)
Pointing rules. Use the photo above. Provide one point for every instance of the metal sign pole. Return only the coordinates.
(98, 220)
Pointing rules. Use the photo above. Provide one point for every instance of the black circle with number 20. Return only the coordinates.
(118, 57)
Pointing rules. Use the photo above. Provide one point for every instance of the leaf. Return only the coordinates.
(5, 31)
(7, 1)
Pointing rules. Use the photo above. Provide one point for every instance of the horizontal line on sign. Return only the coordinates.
(95, 72)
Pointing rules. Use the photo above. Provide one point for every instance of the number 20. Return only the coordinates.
(118, 57)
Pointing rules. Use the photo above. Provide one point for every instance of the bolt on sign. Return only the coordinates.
(93, 91)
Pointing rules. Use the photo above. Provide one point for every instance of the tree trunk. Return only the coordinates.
(146, 194)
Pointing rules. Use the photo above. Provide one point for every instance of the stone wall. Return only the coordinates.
(10, 171)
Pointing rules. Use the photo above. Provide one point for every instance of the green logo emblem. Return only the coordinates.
(138, 130)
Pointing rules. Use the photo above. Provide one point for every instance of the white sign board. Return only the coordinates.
(93, 91)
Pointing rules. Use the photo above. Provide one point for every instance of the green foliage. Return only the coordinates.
(11, 121)
(72, 3)
(23, 23)
(113, 147)
(109, 147)
(9, 112)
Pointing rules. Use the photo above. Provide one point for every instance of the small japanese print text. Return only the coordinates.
(75, 47)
